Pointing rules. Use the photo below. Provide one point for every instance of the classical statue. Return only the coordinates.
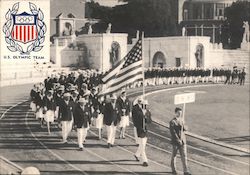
(245, 38)
(198, 56)
(90, 29)
(109, 28)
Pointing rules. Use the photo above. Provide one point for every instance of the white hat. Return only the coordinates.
(66, 94)
(82, 100)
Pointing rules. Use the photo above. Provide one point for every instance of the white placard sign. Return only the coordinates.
(184, 98)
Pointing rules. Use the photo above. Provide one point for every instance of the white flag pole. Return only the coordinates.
(143, 74)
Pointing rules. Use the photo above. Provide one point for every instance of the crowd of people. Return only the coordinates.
(71, 101)
(168, 76)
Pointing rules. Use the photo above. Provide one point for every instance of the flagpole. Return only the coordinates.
(143, 74)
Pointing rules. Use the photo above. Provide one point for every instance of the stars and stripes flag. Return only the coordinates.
(127, 71)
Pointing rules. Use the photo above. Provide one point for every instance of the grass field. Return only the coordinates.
(219, 112)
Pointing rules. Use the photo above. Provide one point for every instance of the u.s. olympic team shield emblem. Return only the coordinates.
(25, 31)
(24, 27)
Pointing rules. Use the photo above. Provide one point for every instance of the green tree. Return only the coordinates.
(237, 13)
(154, 17)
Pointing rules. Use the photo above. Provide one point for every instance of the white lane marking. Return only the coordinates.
(91, 152)
(191, 160)
(208, 152)
(12, 163)
(84, 148)
(53, 153)
(162, 165)
(12, 108)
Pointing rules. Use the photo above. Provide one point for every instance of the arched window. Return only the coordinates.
(159, 60)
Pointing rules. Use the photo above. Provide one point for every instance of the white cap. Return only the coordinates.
(82, 100)
(66, 94)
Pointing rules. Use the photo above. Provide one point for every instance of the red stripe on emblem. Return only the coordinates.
(28, 33)
(20, 32)
(12, 33)
(32, 32)
(24, 32)
(16, 32)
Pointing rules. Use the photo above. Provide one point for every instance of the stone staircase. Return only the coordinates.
(237, 58)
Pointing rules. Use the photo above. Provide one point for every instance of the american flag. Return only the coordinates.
(128, 70)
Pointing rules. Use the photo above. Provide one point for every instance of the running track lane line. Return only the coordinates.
(1, 117)
(162, 165)
(12, 108)
(33, 135)
(191, 160)
(208, 152)
(44, 146)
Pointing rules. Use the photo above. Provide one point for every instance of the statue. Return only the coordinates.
(183, 31)
(109, 28)
(114, 53)
(198, 56)
(90, 29)
(245, 38)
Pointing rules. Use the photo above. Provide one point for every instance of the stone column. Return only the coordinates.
(202, 11)
(214, 15)
(202, 33)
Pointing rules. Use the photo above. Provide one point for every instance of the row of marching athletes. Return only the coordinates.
(72, 110)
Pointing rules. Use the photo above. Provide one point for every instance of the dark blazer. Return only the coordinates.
(81, 117)
(177, 137)
(123, 105)
(140, 121)
(50, 104)
(111, 114)
(65, 111)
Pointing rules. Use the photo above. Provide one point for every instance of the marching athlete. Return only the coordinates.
(140, 122)
(111, 119)
(49, 107)
(124, 107)
(66, 116)
(82, 119)
(178, 140)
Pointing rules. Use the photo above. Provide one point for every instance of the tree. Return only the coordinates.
(154, 17)
(237, 13)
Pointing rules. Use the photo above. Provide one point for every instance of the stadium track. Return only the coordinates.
(204, 158)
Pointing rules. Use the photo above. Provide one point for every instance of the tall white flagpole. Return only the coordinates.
(143, 74)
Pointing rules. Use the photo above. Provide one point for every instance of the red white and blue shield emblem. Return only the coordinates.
(24, 27)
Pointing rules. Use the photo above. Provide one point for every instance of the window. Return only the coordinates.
(177, 62)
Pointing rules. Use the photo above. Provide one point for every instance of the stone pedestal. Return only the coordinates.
(245, 46)
(98, 48)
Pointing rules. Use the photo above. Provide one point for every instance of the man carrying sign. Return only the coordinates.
(178, 140)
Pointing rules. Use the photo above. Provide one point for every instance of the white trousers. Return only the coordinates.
(111, 131)
(66, 128)
(136, 136)
(81, 136)
(141, 151)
